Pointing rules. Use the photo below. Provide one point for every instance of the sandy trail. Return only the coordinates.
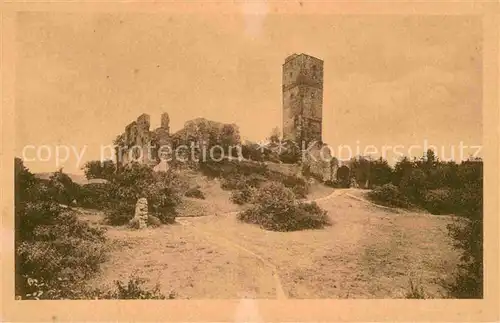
(368, 252)
(217, 238)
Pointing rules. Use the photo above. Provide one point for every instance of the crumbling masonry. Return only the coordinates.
(140, 144)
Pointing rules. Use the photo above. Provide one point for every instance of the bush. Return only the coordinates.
(467, 235)
(297, 184)
(54, 250)
(389, 195)
(134, 223)
(121, 213)
(415, 290)
(62, 189)
(162, 190)
(94, 196)
(414, 185)
(163, 196)
(233, 183)
(132, 289)
(167, 215)
(242, 196)
(275, 208)
(153, 221)
(310, 216)
(237, 175)
(195, 192)
(438, 201)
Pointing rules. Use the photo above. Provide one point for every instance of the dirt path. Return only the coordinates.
(199, 225)
(368, 252)
(219, 239)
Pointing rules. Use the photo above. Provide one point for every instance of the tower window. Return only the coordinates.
(292, 96)
(291, 74)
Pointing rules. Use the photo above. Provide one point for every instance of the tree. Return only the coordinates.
(402, 168)
(229, 138)
(414, 185)
(469, 237)
(380, 172)
(62, 187)
(99, 169)
(360, 168)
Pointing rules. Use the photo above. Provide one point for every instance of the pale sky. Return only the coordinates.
(388, 80)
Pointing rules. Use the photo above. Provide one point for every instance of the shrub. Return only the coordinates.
(275, 208)
(162, 190)
(54, 250)
(195, 192)
(99, 169)
(467, 235)
(133, 289)
(121, 213)
(62, 189)
(297, 184)
(255, 180)
(167, 215)
(242, 196)
(438, 201)
(153, 221)
(310, 216)
(134, 223)
(291, 154)
(389, 195)
(415, 290)
(414, 185)
(233, 183)
(94, 196)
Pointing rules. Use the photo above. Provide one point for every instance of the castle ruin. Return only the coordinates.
(139, 143)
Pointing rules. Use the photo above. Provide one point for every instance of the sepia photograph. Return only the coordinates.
(248, 155)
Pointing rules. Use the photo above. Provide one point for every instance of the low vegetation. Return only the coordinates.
(195, 192)
(274, 207)
(54, 250)
(244, 178)
(445, 188)
(132, 289)
(389, 195)
(415, 290)
(119, 196)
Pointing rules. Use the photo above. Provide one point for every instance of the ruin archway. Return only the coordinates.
(343, 176)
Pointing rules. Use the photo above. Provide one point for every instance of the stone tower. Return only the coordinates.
(302, 98)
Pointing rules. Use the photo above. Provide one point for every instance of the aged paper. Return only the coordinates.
(250, 161)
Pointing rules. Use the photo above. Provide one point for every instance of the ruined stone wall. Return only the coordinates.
(202, 130)
(139, 143)
(320, 163)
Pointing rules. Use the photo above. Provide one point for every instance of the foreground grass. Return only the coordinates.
(366, 253)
